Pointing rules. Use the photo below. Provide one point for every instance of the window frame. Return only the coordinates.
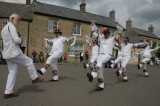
(76, 34)
(4, 21)
(76, 49)
(53, 25)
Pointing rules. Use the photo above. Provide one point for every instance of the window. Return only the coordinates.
(52, 24)
(78, 47)
(5, 21)
(76, 29)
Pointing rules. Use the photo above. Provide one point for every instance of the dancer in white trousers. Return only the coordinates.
(118, 60)
(56, 53)
(14, 56)
(94, 56)
(126, 48)
(106, 43)
(146, 57)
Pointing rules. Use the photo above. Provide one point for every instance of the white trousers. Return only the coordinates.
(93, 60)
(102, 58)
(13, 69)
(52, 60)
(118, 61)
(144, 61)
(124, 61)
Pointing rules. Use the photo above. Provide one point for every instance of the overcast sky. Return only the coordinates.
(142, 12)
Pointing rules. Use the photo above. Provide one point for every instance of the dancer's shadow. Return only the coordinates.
(29, 88)
(139, 75)
(94, 90)
(66, 77)
(62, 78)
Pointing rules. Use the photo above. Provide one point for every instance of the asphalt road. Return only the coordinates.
(73, 88)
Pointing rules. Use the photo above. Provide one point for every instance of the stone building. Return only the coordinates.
(38, 19)
(137, 35)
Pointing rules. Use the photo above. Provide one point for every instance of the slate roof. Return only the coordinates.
(71, 14)
(145, 33)
(25, 11)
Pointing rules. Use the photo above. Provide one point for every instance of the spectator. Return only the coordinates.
(86, 56)
(47, 55)
(65, 57)
(34, 54)
(81, 57)
(76, 56)
(41, 57)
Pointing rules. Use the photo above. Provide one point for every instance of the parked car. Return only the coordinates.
(108, 64)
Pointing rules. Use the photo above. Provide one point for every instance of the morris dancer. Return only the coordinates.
(106, 43)
(56, 53)
(14, 56)
(94, 55)
(125, 57)
(146, 57)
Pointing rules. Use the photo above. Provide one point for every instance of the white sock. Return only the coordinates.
(55, 77)
(94, 74)
(146, 73)
(120, 72)
(87, 65)
(101, 85)
(125, 78)
(112, 65)
(140, 65)
(43, 70)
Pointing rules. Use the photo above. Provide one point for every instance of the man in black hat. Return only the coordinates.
(56, 53)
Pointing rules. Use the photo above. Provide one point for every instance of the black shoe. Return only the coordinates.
(90, 77)
(124, 80)
(39, 71)
(99, 89)
(144, 70)
(138, 66)
(117, 73)
(145, 75)
(52, 80)
(84, 66)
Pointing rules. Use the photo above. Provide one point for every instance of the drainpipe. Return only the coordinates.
(28, 40)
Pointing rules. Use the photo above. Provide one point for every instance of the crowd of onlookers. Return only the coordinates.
(79, 56)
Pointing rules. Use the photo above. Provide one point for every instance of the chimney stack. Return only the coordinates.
(83, 6)
(34, 1)
(128, 23)
(112, 14)
(151, 29)
(28, 2)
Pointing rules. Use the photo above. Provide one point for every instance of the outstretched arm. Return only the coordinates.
(87, 40)
(138, 44)
(48, 40)
(70, 39)
(155, 49)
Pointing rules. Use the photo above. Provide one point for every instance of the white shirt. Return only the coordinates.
(95, 50)
(147, 51)
(10, 41)
(106, 45)
(126, 49)
(58, 44)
